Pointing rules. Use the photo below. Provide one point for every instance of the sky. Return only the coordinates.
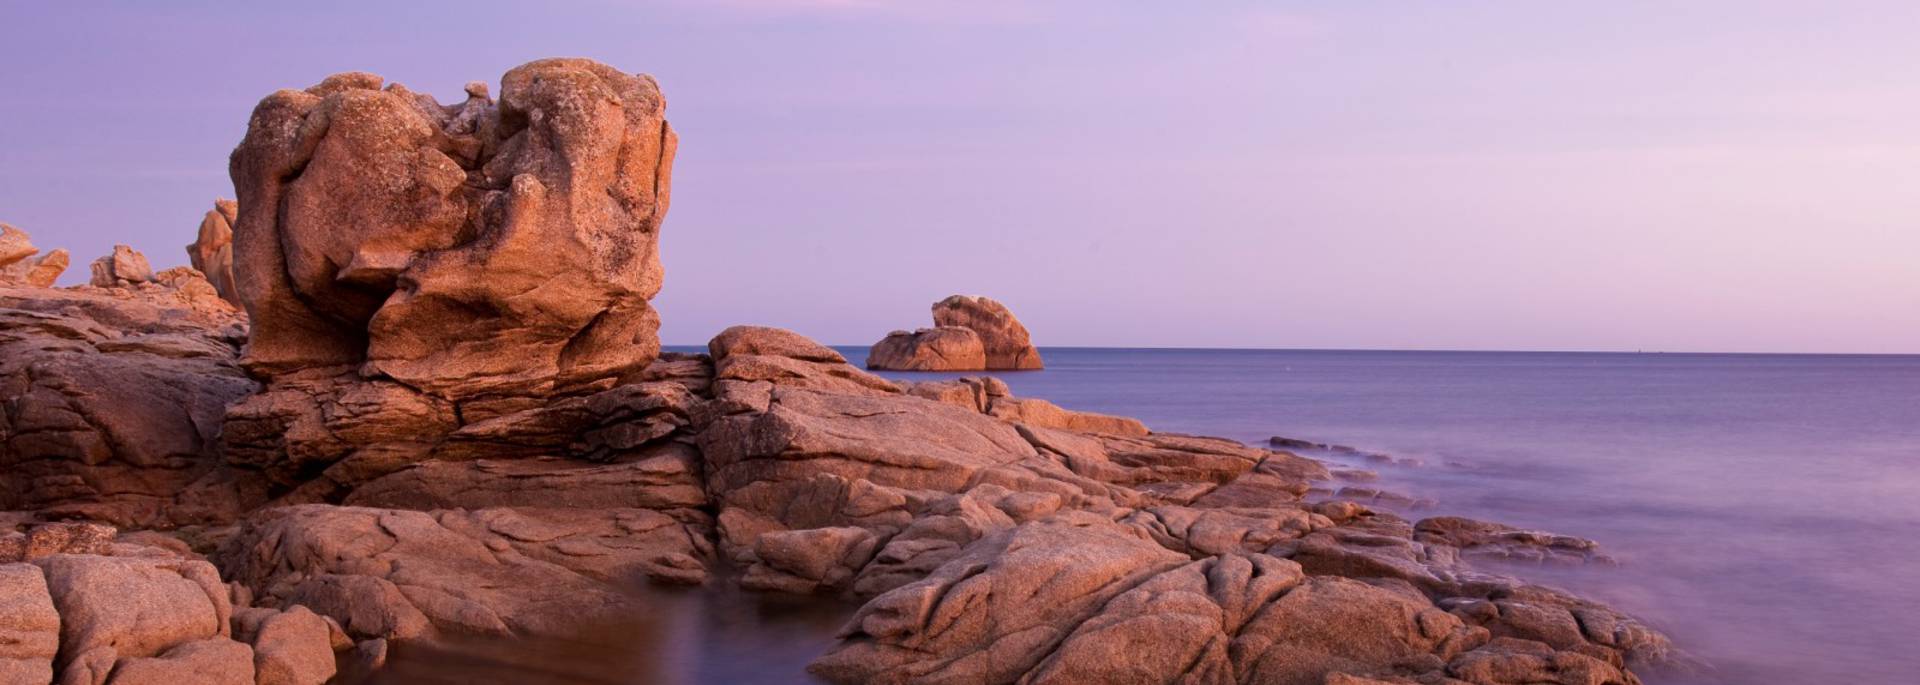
(1698, 176)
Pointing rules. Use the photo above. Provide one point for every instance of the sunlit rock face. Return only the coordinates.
(488, 248)
(412, 268)
(969, 334)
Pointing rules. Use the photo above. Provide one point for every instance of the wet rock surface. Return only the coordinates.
(451, 426)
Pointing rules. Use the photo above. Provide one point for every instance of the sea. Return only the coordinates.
(1764, 509)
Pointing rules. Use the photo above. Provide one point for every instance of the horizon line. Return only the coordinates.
(1185, 348)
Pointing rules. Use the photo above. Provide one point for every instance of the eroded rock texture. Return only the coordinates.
(466, 251)
(969, 334)
(122, 268)
(431, 281)
(111, 402)
(22, 264)
(80, 606)
(212, 250)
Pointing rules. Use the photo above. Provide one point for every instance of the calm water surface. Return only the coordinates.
(1766, 507)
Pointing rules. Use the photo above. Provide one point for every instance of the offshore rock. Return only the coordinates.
(1006, 341)
(212, 250)
(948, 348)
(969, 334)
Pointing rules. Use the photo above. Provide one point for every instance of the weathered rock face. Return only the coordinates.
(476, 250)
(430, 282)
(21, 264)
(970, 334)
(96, 609)
(212, 250)
(1006, 341)
(111, 402)
(124, 267)
(948, 348)
(394, 574)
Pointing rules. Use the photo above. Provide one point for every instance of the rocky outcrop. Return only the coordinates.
(478, 250)
(111, 402)
(434, 282)
(969, 334)
(455, 426)
(21, 264)
(212, 250)
(124, 267)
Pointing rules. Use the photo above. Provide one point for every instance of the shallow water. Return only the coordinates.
(1764, 507)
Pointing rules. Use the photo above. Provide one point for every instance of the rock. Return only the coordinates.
(29, 625)
(19, 265)
(293, 647)
(47, 539)
(212, 250)
(1007, 343)
(479, 250)
(114, 403)
(113, 609)
(394, 574)
(947, 348)
(1484, 540)
(969, 334)
(123, 268)
(15, 245)
(1038, 412)
(747, 354)
(995, 612)
(214, 661)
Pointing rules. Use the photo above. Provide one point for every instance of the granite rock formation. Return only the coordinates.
(451, 420)
(471, 251)
(123, 267)
(969, 334)
(447, 272)
(111, 401)
(212, 250)
(22, 264)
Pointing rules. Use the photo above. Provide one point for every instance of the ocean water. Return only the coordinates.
(1765, 508)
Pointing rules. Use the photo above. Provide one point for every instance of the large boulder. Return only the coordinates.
(123, 267)
(212, 250)
(475, 250)
(948, 348)
(112, 400)
(1006, 341)
(29, 625)
(21, 264)
(969, 334)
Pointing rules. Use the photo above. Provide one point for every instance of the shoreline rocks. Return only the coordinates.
(450, 421)
(969, 334)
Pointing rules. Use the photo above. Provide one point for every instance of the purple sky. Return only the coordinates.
(1701, 176)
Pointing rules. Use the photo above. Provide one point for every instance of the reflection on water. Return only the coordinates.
(687, 636)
